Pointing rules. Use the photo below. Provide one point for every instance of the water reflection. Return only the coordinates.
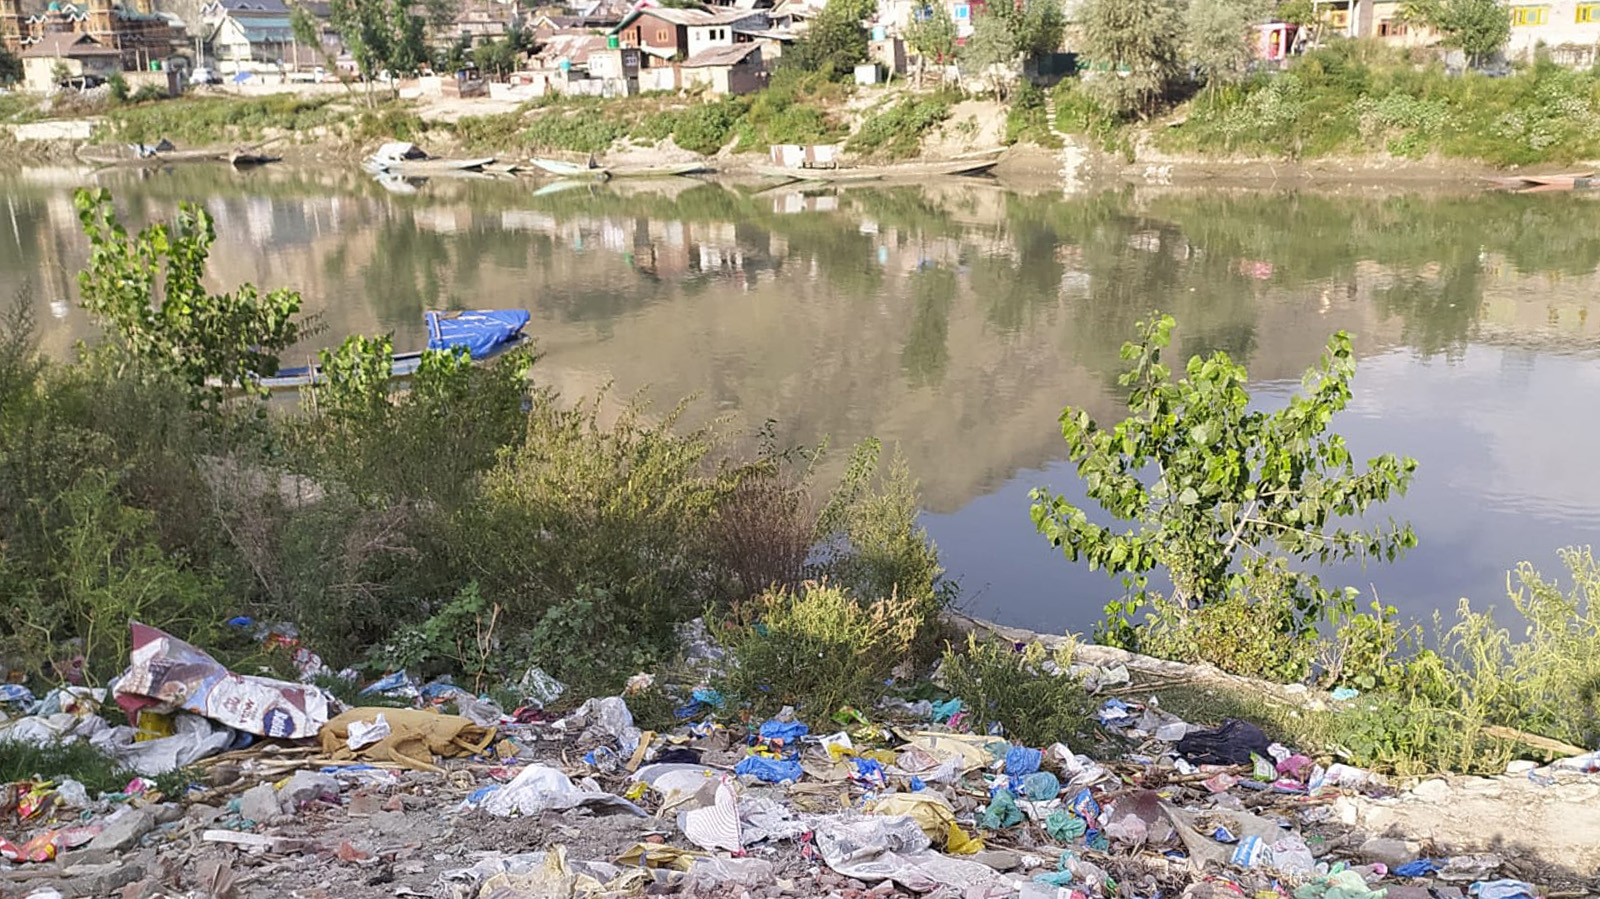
(956, 319)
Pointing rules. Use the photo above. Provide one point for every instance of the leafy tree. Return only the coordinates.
(119, 87)
(1220, 36)
(835, 43)
(10, 67)
(497, 57)
(1138, 44)
(146, 290)
(1223, 496)
(381, 35)
(1478, 28)
(933, 36)
(1007, 35)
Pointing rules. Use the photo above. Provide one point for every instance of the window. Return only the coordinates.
(1339, 18)
(1523, 16)
(1391, 28)
(1588, 13)
(661, 35)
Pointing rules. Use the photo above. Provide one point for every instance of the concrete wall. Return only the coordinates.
(1557, 25)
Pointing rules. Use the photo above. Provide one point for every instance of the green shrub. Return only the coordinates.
(1027, 119)
(206, 120)
(817, 648)
(574, 131)
(897, 132)
(1026, 691)
(99, 773)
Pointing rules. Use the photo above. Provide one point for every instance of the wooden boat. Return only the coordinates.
(563, 169)
(1534, 184)
(403, 158)
(483, 333)
(241, 159)
(658, 171)
(151, 158)
(884, 172)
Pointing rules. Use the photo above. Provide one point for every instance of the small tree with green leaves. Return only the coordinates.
(145, 290)
(381, 35)
(1219, 36)
(1006, 36)
(10, 67)
(1478, 28)
(1135, 47)
(933, 37)
(836, 41)
(1222, 497)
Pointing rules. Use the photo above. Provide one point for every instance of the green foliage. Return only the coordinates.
(1348, 98)
(897, 132)
(459, 637)
(99, 773)
(1027, 119)
(706, 127)
(1223, 496)
(146, 291)
(147, 93)
(381, 35)
(933, 35)
(1007, 35)
(1479, 28)
(496, 58)
(794, 109)
(1262, 635)
(1367, 651)
(119, 87)
(576, 131)
(816, 648)
(10, 67)
(1134, 50)
(834, 43)
(1027, 692)
(206, 120)
(1219, 36)
(868, 540)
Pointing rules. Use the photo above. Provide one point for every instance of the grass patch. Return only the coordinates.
(1028, 121)
(1036, 706)
(97, 772)
(201, 120)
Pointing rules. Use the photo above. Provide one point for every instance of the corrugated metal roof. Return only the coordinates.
(721, 56)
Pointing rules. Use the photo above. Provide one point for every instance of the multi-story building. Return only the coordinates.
(140, 34)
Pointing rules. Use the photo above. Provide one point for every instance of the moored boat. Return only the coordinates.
(483, 333)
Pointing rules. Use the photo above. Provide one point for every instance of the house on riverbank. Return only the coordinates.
(137, 33)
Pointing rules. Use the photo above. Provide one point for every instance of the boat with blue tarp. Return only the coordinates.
(483, 333)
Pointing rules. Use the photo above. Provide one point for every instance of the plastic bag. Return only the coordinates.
(539, 789)
(1001, 813)
(770, 771)
(1231, 744)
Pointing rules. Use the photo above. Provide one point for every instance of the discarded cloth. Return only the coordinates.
(1231, 744)
(166, 673)
(1502, 889)
(415, 737)
(1422, 867)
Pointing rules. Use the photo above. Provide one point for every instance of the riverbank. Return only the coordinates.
(1199, 143)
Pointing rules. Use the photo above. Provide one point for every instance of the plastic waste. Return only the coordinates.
(1422, 867)
(931, 811)
(944, 711)
(1040, 786)
(1116, 713)
(1022, 761)
(539, 689)
(1345, 693)
(193, 739)
(604, 720)
(1231, 744)
(894, 848)
(1064, 827)
(709, 874)
(715, 826)
(395, 683)
(1002, 812)
(869, 772)
(784, 731)
(1346, 884)
(415, 737)
(540, 788)
(365, 733)
(769, 770)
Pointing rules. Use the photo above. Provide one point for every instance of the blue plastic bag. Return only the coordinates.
(1022, 761)
(1040, 786)
(1422, 867)
(771, 771)
(783, 730)
(870, 772)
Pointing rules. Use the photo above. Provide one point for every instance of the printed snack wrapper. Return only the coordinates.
(167, 673)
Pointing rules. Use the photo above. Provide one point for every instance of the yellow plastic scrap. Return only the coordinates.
(636, 790)
(958, 843)
(656, 855)
(931, 811)
(966, 749)
(415, 737)
(153, 725)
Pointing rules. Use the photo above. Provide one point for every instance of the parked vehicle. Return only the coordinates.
(204, 75)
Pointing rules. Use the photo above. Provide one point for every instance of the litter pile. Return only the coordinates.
(286, 794)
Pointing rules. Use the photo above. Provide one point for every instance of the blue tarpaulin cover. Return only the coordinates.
(481, 331)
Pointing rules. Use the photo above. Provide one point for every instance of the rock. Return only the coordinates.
(304, 787)
(123, 831)
(998, 859)
(365, 804)
(168, 812)
(85, 858)
(204, 814)
(1388, 851)
(259, 803)
(1520, 767)
(388, 822)
(1434, 790)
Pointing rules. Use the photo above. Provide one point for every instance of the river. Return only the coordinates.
(956, 319)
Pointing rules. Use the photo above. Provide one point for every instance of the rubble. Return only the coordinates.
(512, 805)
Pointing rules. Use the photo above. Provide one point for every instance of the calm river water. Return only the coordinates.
(956, 320)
